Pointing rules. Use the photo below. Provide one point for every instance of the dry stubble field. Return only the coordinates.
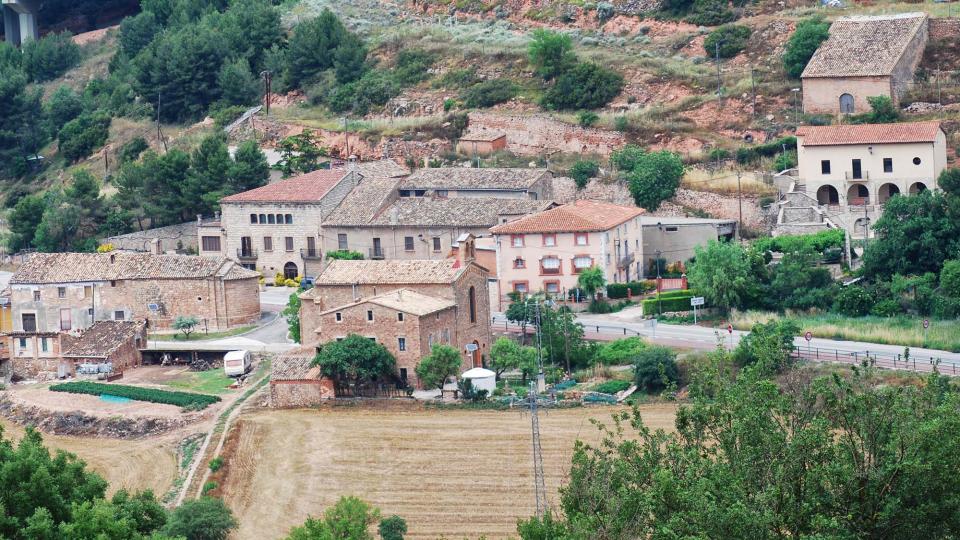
(454, 474)
(134, 465)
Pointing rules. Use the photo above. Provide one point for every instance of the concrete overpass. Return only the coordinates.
(20, 20)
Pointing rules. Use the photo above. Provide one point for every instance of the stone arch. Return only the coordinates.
(828, 194)
(862, 226)
(858, 195)
(290, 270)
(846, 103)
(886, 191)
(917, 187)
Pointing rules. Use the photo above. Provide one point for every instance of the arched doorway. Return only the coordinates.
(886, 191)
(290, 271)
(846, 103)
(917, 187)
(858, 195)
(828, 195)
(475, 355)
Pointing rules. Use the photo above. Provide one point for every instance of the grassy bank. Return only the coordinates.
(201, 335)
(903, 330)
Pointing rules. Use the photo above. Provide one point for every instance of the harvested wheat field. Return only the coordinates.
(453, 474)
(133, 465)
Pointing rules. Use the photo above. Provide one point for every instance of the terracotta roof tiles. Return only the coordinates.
(578, 216)
(905, 132)
(310, 187)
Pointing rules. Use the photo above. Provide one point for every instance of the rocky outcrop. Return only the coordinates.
(81, 424)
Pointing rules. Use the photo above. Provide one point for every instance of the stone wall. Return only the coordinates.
(532, 135)
(943, 28)
(172, 238)
(902, 74)
(300, 393)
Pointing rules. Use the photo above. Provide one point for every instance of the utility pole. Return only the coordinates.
(740, 200)
(753, 86)
(346, 138)
(267, 87)
(659, 299)
(719, 83)
(866, 228)
(160, 133)
(539, 485)
(541, 380)
(939, 100)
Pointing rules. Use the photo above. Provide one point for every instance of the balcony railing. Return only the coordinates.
(246, 253)
(864, 175)
(308, 253)
(376, 253)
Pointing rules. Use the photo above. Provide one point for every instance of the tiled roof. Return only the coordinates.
(578, 216)
(310, 187)
(378, 184)
(103, 338)
(864, 46)
(294, 366)
(78, 267)
(469, 178)
(454, 212)
(340, 272)
(905, 132)
(482, 136)
(407, 301)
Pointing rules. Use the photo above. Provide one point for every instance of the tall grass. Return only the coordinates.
(903, 330)
(725, 182)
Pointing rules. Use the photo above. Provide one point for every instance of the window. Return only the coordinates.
(403, 375)
(442, 194)
(430, 341)
(401, 344)
(263, 219)
(113, 283)
(65, 322)
(671, 229)
(419, 192)
(846, 103)
(253, 218)
(519, 263)
(400, 316)
(338, 316)
(404, 192)
(43, 345)
(472, 295)
(279, 219)
(23, 343)
(342, 241)
(36, 296)
(825, 166)
(551, 287)
(118, 315)
(445, 335)
(916, 161)
(581, 263)
(288, 243)
(887, 164)
(61, 292)
(288, 219)
(408, 243)
(549, 240)
(87, 291)
(271, 219)
(520, 287)
(268, 243)
(857, 169)
(210, 243)
(516, 240)
(436, 243)
(580, 239)
(29, 322)
(550, 265)
(90, 312)
(370, 315)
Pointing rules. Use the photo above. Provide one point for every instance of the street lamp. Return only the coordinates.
(659, 298)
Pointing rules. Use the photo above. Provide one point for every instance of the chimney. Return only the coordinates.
(155, 247)
(199, 219)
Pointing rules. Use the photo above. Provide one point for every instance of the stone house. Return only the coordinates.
(442, 301)
(107, 342)
(864, 56)
(63, 292)
(547, 251)
(481, 143)
(36, 355)
(675, 238)
(484, 182)
(294, 382)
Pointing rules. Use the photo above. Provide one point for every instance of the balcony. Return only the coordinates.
(248, 254)
(376, 253)
(864, 175)
(311, 254)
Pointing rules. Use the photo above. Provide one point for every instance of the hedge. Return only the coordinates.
(152, 395)
(819, 242)
(619, 290)
(668, 301)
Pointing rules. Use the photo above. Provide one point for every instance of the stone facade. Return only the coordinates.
(36, 355)
(946, 27)
(300, 393)
(534, 135)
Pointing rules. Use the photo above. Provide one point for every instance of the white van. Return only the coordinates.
(236, 363)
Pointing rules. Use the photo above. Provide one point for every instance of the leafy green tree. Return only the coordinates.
(206, 518)
(550, 52)
(655, 178)
(185, 325)
(83, 135)
(627, 158)
(292, 314)
(154, 187)
(582, 171)
(300, 154)
(50, 56)
(721, 272)
(312, 47)
(413, 66)
(799, 283)
(583, 86)
(442, 363)
(137, 32)
(238, 86)
(374, 89)
(24, 220)
(728, 40)
(950, 278)
(655, 368)
(355, 360)
(131, 150)
(562, 338)
(392, 528)
(949, 181)
(591, 280)
(620, 352)
(520, 312)
(19, 110)
(504, 355)
(587, 118)
(349, 58)
(250, 169)
(72, 218)
(210, 167)
(807, 36)
(768, 345)
(63, 106)
(349, 519)
(854, 301)
(252, 28)
(489, 93)
(882, 111)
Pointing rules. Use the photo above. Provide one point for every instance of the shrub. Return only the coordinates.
(950, 278)
(412, 66)
(853, 301)
(206, 518)
(208, 487)
(710, 13)
(753, 153)
(584, 86)
(63, 106)
(611, 387)
(809, 34)
(666, 302)
(374, 89)
(731, 39)
(137, 393)
(392, 528)
(769, 344)
(617, 290)
(344, 254)
(489, 93)
(582, 171)
(550, 52)
(655, 178)
(456, 78)
(784, 161)
(599, 306)
(587, 118)
(50, 56)
(620, 351)
(216, 463)
(818, 242)
(131, 150)
(656, 368)
(81, 136)
(886, 308)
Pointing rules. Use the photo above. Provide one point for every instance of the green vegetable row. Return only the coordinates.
(152, 395)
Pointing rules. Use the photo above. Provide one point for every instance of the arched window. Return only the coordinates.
(846, 103)
(290, 271)
(473, 305)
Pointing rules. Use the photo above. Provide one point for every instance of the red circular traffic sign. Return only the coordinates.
(730, 328)
(808, 336)
(926, 323)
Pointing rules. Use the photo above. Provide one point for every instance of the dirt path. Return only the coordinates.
(450, 474)
(133, 465)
